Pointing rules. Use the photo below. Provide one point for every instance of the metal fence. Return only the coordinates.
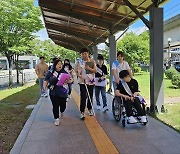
(24, 77)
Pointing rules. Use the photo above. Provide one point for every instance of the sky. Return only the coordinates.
(171, 9)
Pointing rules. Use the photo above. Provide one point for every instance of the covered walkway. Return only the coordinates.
(75, 24)
(105, 136)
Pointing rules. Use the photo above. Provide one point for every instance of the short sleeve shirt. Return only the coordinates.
(133, 85)
(80, 67)
(41, 69)
(119, 67)
(103, 69)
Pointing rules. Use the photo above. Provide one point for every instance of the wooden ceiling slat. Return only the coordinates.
(94, 19)
(90, 21)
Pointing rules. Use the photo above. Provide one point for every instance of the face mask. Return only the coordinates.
(66, 64)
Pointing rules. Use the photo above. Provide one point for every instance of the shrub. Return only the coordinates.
(170, 72)
(176, 80)
(137, 69)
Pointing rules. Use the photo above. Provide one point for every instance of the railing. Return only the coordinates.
(24, 77)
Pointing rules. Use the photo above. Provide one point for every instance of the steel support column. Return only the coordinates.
(156, 59)
(112, 57)
(95, 52)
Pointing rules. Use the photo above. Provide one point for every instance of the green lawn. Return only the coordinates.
(13, 114)
(144, 86)
(172, 117)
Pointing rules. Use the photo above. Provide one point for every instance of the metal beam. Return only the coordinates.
(156, 60)
(86, 46)
(68, 39)
(108, 7)
(96, 10)
(122, 33)
(69, 46)
(73, 32)
(127, 15)
(122, 4)
(95, 52)
(146, 22)
(58, 33)
(112, 57)
(71, 21)
(66, 42)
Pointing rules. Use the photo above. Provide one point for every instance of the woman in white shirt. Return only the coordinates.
(117, 66)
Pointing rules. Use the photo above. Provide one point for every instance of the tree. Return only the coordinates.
(136, 48)
(19, 20)
(50, 50)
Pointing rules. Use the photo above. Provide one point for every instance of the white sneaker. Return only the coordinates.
(62, 115)
(42, 95)
(45, 95)
(98, 107)
(90, 112)
(69, 96)
(57, 122)
(82, 116)
(132, 120)
(143, 119)
(105, 109)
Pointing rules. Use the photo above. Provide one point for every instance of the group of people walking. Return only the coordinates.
(91, 77)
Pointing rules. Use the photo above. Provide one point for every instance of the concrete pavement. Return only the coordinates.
(40, 136)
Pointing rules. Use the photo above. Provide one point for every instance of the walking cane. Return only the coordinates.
(89, 97)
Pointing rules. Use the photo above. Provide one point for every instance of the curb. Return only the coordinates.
(24, 132)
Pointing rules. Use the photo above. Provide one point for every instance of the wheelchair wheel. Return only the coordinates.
(124, 122)
(116, 109)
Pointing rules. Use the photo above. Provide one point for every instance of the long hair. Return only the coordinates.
(55, 63)
(70, 67)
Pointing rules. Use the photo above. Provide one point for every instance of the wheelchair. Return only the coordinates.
(119, 111)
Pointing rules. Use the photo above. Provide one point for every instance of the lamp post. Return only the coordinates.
(169, 47)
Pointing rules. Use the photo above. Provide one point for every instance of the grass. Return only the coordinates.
(172, 117)
(143, 79)
(13, 113)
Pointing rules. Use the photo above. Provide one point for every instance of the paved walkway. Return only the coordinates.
(73, 136)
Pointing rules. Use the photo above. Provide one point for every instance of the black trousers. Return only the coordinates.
(84, 96)
(58, 102)
(128, 106)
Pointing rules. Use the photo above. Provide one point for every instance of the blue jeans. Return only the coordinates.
(114, 86)
(41, 80)
(99, 89)
(70, 88)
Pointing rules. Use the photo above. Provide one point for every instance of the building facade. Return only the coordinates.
(172, 39)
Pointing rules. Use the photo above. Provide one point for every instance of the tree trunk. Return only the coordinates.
(17, 72)
(10, 72)
(17, 67)
(133, 69)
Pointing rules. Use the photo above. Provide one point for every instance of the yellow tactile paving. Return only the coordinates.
(102, 142)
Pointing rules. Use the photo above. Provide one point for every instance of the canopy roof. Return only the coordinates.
(74, 24)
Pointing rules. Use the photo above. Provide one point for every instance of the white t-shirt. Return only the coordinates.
(119, 67)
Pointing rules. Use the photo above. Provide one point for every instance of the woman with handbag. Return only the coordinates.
(58, 79)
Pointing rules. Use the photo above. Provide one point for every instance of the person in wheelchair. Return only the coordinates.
(128, 90)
